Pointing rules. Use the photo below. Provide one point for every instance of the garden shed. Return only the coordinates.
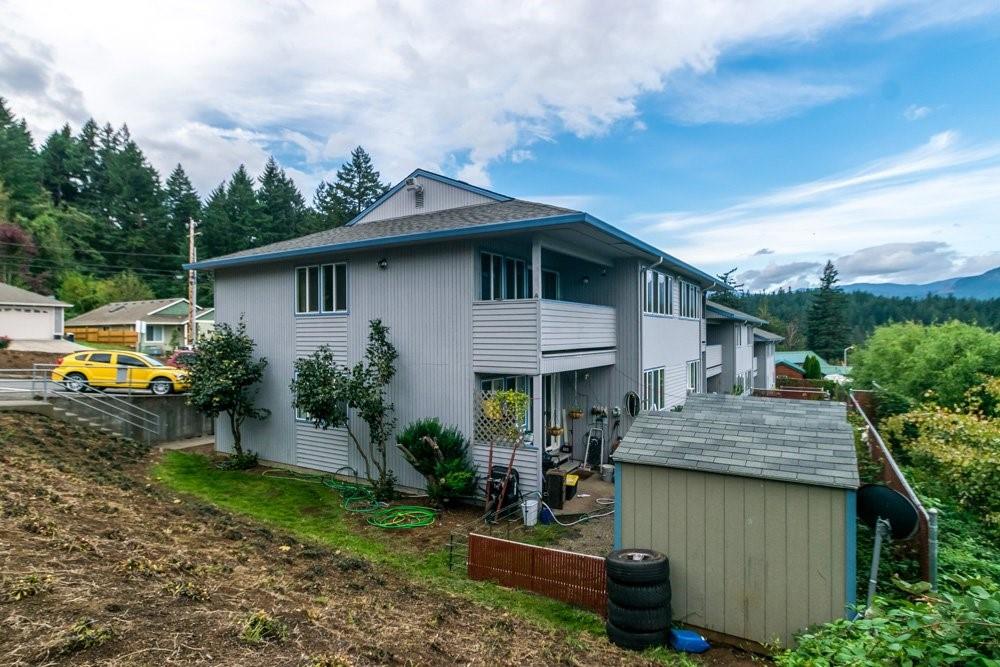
(753, 501)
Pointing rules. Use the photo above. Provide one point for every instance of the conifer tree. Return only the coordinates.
(727, 297)
(20, 167)
(61, 167)
(327, 206)
(358, 185)
(282, 205)
(826, 325)
(182, 203)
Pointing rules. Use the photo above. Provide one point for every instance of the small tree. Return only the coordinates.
(730, 295)
(326, 392)
(223, 377)
(826, 324)
(812, 369)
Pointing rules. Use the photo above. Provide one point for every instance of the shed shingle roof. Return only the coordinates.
(15, 295)
(775, 439)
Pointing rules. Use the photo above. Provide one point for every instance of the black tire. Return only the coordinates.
(639, 620)
(161, 386)
(639, 596)
(637, 566)
(75, 382)
(637, 641)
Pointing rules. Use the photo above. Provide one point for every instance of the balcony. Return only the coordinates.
(538, 336)
(713, 360)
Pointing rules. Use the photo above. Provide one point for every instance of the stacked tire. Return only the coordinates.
(638, 582)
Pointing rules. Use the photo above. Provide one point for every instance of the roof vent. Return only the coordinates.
(115, 308)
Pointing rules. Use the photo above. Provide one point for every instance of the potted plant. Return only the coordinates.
(575, 412)
(555, 431)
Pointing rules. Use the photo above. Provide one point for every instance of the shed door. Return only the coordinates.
(26, 323)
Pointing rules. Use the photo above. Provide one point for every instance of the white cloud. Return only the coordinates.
(898, 261)
(791, 274)
(443, 85)
(944, 191)
(915, 112)
(748, 98)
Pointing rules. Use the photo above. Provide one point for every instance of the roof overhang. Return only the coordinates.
(35, 304)
(624, 239)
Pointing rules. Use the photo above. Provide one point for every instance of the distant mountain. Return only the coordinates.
(983, 286)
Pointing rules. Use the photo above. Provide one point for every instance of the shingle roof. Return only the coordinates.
(796, 358)
(452, 218)
(15, 295)
(760, 334)
(127, 312)
(717, 311)
(777, 439)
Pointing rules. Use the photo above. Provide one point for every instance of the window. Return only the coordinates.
(550, 284)
(154, 333)
(739, 334)
(503, 278)
(692, 376)
(654, 389)
(690, 300)
(321, 289)
(658, 298)
(129, 360)
(521, 383)
(100, 358)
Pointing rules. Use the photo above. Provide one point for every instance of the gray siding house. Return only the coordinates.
(764, 344)
(730, 337)
(481, 291)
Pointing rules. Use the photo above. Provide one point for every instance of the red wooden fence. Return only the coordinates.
(577, 579)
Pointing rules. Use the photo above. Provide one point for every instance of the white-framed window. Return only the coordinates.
(321, 288)
(739, 334)
(692, 376)
(521, 383)
(654, 389)
(503, 277)
(690, 300)
(154, 333)
(658, 295)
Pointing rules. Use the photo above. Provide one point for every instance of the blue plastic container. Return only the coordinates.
(688, 641)
(545, 517)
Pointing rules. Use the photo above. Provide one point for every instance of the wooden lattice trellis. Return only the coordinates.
(496, 421)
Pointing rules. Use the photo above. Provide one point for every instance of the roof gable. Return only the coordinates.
(425, 192)
(11, 295)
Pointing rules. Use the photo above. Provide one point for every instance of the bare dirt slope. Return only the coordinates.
(98, 566)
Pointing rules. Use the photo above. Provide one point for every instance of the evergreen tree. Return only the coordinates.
(182, 206)
(61, 167)
(357, 186)
(826, 325)
(243, 210)
(281, 204)
(214, 240)
(93, 177)
(327, 206)
(727, 297)
(20, 166)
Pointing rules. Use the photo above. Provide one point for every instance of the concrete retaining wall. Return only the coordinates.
(178, 420)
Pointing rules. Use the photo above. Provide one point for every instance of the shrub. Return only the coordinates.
(239, 461)
(813, 371)
(959, 627)
(440, 454)
(4, 342)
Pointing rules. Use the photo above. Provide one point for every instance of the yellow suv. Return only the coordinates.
(118, 370)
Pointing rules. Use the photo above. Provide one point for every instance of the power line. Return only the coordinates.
(102, 252)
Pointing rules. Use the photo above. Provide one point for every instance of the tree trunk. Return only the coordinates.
(235, 428)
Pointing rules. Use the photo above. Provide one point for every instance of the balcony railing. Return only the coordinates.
(514, 336)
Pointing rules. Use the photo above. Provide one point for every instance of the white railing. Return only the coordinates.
(713, 356)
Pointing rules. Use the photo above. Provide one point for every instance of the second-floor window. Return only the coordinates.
(739, 334)
(503, 278)
(321, 289)
(690, 300)
(654, 389)
(658, 298)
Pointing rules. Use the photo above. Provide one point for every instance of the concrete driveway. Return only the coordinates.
(56, 346)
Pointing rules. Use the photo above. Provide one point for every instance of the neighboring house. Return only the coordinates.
(481, 292)
(764, 345)
(789, 364)
(154, 325)
(25, 315)
(730, 336)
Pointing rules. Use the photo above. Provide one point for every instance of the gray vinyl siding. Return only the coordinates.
(328, 450)
(751, 558)
(505, 337)
(576, 326)
(264, 296)
(437, 196)
(527, 460)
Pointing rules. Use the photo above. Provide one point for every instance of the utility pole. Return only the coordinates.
(192, 332)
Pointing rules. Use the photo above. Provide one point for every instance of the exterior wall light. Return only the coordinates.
(383, 264)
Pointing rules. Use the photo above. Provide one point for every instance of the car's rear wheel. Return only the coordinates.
(75, 382)
(161, 386)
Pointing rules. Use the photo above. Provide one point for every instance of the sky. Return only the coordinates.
(762, 135)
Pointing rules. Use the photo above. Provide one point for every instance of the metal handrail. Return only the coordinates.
(98, 390)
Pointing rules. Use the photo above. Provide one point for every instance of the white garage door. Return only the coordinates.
(26, 323)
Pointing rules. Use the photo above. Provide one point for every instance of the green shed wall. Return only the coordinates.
(752, 558)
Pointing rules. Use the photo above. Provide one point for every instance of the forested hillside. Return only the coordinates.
(86, 217)
(787, 312)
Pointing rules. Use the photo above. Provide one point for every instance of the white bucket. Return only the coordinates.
(607, 473)
(530, 511)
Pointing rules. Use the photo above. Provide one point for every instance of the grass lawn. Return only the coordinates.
(312, 511)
